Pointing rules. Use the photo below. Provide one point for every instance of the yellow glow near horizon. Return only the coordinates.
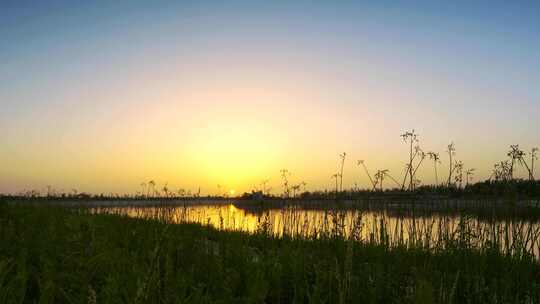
(236, 154)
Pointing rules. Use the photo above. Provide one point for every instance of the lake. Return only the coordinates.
(434, 231)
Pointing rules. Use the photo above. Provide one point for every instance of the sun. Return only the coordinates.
(232, 192)
(235, 153)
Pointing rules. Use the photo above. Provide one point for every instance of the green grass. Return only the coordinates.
(55, 255)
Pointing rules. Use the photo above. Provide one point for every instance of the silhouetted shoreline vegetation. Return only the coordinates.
(459, 181)
(517, 189)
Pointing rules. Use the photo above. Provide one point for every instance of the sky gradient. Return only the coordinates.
(100, 97)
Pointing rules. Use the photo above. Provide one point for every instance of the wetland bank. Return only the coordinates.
(230, 251)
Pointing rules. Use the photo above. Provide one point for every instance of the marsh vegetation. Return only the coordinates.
(225, 254)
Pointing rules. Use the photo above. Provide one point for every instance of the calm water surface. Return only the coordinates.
(379, 227)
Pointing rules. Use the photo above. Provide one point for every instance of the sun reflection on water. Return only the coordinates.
(378, 227)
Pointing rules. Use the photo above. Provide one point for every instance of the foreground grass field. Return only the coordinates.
(55, 255)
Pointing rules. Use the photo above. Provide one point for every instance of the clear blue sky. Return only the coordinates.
(100, 96)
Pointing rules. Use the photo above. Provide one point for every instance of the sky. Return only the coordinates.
(100, 96)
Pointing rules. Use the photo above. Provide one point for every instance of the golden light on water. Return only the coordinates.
(315, 223)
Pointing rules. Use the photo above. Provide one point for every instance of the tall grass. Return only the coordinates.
(57, 255)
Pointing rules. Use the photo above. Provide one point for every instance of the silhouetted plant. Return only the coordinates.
(387, 174)
(342, 156)
(422, 155)
(534, 157)
(436, 159)
(501, 171)
(336, 176)
(518, 155)
(515, 154)
(458, 178)
(143, 191)
(523, 162)
(263, 186)
(362, 163)
(451, 150)
(285, 178)
(379, 177)
(411, 138)
(469, 175)
(295, 189)
(407, 169)
(165, 190)
(151, 186)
